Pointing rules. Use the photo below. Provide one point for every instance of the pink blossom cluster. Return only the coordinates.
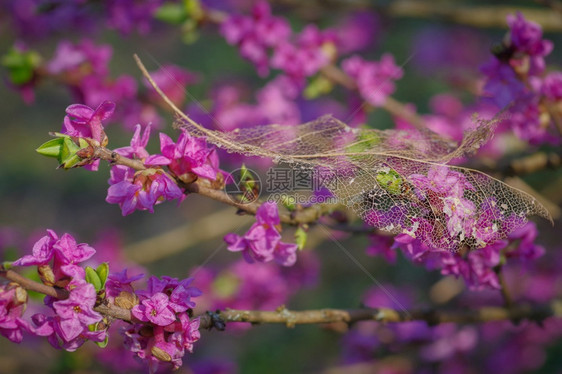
(267, 41)
(440, 213)
(140, 190)
(433, 239)
(301, 56)
(516, 76)
(374, 80)
(13, 300)
(478, 268)
(262, 242)
(83, 68)
(163, 329)
(186, 160)
(71, 321)
(276, 102)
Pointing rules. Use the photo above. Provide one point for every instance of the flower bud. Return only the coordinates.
(161, 354)
(126, 300)
(19, 293)
(46, 274)
(65, 149)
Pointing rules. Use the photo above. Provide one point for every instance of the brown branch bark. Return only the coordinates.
(29, 284)
(292, 318)
(59, 293)
(432, 317)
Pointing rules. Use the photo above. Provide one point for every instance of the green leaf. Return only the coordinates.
(300, 237)
(194, 9)
(52, 148)
(318, 86)
(104, 343)
(93, 278)
(103, 271)
(363, 142)
(64, 149)
(226, 285)
(391, 181)
(247, 177)
(21, 65)
(171, 13)
(94, 327)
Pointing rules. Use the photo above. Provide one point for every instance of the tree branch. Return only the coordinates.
(476, 16)
(29, 284)
(484, 16)
(202, 187)
(61, 294)
(349, 316)
(292, 318)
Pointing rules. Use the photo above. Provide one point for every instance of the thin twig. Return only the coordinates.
(29, 284)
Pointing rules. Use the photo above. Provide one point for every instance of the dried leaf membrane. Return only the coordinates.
(397, 181)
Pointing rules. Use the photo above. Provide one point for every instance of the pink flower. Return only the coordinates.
(172, 80)
(187, 333)
(552, 86)
(276, 102)
(65, 251)
(76, 313)
(140, 191)
(118, 282)
(189, 155)
(155, 309)
(83, 121)
(13, 301)
(69, 252)
(441, 180)
(262, 242)
(138, 144)
(71, 58)
(527, 35)
(42, 251)
(375, 80)
(255, 34)
(306, 56)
